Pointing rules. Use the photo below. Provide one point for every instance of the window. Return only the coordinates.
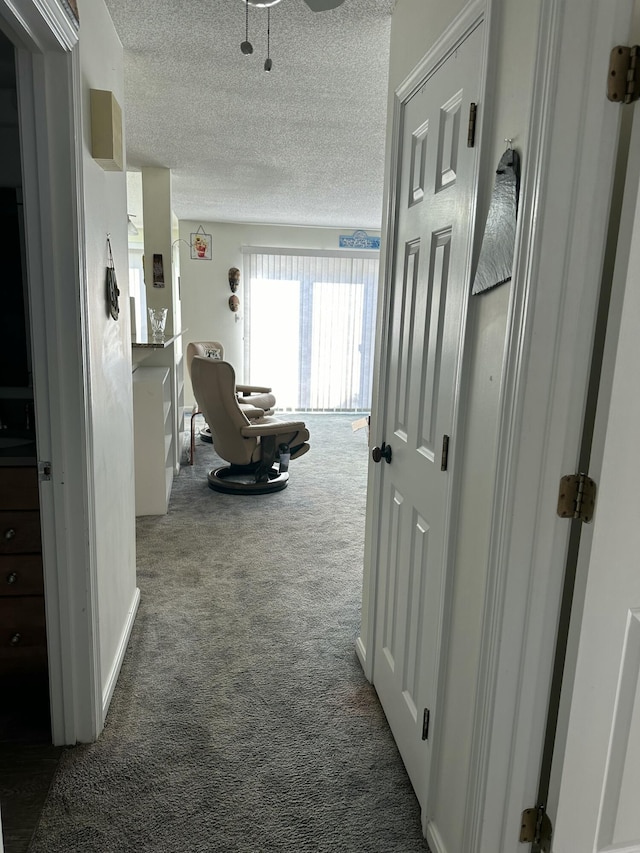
(309, 327)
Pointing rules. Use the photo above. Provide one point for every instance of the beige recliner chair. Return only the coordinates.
(258, 451)
(251, 396)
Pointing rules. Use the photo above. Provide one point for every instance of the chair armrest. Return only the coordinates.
(252, 389)
(271, 429)
(252, 412)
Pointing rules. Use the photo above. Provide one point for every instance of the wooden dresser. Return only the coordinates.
(23, 640)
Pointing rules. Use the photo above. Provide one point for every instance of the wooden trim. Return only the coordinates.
(569, 162)
(90, 679)
(43, 24)
(366, 642)
(49, 115)
(545, 82)
(361, 652)
(434, 838)
(110, 685)
(462, 25)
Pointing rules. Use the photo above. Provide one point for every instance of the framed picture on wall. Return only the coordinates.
(200, 245)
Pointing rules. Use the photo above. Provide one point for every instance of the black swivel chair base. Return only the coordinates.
(241, 480)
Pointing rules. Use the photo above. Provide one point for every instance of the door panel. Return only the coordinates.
(394, 597)
(433, 342)
(429, 283)
(406, 312)
(449, 142)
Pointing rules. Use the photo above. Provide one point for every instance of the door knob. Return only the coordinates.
(380, 453)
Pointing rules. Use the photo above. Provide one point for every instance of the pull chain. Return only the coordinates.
(268, 64)
(246, 47)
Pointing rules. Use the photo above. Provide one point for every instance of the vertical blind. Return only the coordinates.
(309, 326)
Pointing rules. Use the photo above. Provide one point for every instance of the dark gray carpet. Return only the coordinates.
(242, 722)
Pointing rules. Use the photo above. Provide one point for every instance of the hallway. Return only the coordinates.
(241, 720)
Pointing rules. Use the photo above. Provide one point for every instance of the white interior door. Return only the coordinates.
(599, 799)
(436, 172)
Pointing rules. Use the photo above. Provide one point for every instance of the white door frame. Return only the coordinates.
(49, 97)
(581, 808)
(568, 174)
(567, 166)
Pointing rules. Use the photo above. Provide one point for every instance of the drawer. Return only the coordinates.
(19, 532)
(21, 574)
(23, 637)
(19, 488)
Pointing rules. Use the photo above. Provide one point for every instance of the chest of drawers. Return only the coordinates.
(23, 642)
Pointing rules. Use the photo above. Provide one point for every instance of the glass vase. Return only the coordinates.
(157, 321)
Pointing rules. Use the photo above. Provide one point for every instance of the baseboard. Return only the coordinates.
(362, 656)
(110, 686)
(434, 839)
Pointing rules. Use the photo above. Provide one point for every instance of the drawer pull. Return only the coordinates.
(12, 577)
(15, 640)
(10, 533)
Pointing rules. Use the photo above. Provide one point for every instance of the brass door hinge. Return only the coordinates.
(471, 134)
(577, 497)
(536, 828)
(623, 85)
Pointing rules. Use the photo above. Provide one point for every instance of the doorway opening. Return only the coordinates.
(24, 706)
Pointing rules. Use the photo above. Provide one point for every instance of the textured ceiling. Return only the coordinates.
(301, 145)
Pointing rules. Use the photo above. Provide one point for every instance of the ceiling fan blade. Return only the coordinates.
(323, 5)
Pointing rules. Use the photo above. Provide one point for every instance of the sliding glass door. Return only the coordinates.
(274, 333)
(309, 327)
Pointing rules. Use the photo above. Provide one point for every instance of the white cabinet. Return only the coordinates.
(154, 433)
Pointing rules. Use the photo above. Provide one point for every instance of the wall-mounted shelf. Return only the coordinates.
(147, 342)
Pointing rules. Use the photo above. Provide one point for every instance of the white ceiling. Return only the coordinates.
(302, 145)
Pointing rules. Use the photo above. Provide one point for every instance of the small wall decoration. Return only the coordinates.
(495, 264)
(234, 303)
(158, 271)
(113, 307)
(234, 279)
(200, 245)
(358, 240)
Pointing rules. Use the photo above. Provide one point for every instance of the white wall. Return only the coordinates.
(110, 404)
(416, 26)
(204, 285)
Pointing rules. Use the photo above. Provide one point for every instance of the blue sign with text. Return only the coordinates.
(359, 240)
